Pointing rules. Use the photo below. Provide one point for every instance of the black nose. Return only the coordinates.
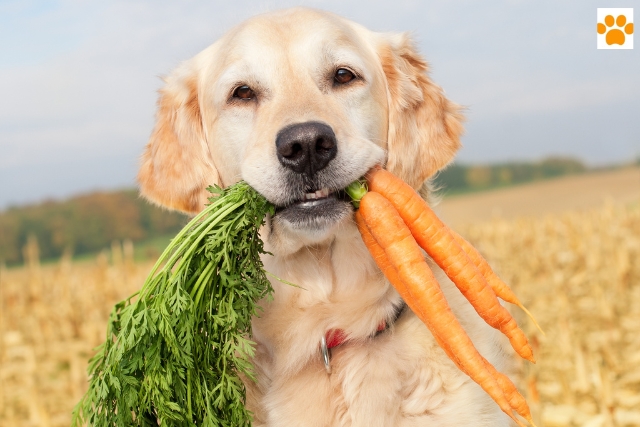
(306, 147)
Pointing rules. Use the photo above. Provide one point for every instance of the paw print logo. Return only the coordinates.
(615, 28)
(615, 35)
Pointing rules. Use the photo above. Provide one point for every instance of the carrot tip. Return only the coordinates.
(525, 352)
(530, 357)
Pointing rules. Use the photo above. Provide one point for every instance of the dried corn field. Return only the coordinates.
(51, 317)
(577, 272)
(579, 275)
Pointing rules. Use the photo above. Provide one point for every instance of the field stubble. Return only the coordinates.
(577, 272)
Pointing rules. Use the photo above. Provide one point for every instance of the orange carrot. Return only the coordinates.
(515, 399)
(436, 239)
(380, 257)
(499, 287)
(422, 292)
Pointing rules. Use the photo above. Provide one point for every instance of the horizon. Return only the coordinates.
(634, 163)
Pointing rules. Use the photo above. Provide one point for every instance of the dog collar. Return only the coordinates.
(335, 337)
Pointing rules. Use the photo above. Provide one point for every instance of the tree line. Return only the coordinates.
(460, 178)
(83, 224)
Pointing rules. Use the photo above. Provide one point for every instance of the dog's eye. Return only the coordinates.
(244, 92)
(343, 76)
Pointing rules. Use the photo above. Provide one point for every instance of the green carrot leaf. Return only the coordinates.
(175, 352)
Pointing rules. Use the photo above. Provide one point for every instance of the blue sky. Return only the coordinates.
(78, 80)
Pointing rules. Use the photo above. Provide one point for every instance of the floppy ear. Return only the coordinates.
(424, 126)
(176, 165)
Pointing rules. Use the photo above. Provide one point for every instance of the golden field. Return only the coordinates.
(576, 270)
(579, 274)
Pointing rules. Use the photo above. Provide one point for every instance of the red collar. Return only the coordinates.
(336, 337)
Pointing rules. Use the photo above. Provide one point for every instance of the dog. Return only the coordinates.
(299, 103)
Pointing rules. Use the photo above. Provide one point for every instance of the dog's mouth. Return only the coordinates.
(322, 194)
(316, 208)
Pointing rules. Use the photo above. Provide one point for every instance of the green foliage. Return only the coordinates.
(174, 352)
(464, 178)
(83, 224)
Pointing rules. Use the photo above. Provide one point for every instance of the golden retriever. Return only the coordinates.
(299, 103)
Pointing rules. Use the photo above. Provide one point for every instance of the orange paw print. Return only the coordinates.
(615, 35)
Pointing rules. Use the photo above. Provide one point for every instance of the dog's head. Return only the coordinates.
(298, 103)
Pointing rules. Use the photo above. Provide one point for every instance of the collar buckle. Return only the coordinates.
(326, 354)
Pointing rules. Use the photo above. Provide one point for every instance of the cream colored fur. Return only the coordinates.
(394, 115)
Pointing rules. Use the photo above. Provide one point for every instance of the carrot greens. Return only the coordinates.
(174, 353)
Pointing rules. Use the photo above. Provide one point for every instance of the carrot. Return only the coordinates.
(515, 399)
(499, 287)
(437, 240)
(380, 257)
(415, 282)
